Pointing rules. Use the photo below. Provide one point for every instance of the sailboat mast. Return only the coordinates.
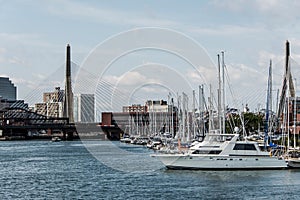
(188, 119)
(271, 89)
(288, 105)
(288, 122)
(193, 115)
(210, 125)
(268, 106)
(295, 117)
(201, 108)
(172, 118)
(219, 95)
(183, 117)
(223, 91)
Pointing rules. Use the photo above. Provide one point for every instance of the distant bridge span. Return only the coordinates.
(21, 122)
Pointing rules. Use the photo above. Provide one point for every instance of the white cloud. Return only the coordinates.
(111, 79)
(131, 78)
(242, 72)
(202, 76)
(155, 90)
(265, 56)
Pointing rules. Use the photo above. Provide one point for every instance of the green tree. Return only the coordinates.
(252, 122)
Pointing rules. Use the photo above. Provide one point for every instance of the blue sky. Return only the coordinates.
(34, 34)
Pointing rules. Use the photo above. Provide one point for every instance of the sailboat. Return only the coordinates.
(220, 150)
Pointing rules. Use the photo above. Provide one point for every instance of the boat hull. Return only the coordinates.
(293, 163)
(220, 162)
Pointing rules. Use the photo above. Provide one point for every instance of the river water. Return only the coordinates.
(95, 170)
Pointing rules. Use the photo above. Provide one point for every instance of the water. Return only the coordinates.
(67, 170)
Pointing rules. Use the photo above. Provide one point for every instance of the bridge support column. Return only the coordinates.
(49, 131)
(68, 135)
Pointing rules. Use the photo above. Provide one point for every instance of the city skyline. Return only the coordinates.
(34, 36)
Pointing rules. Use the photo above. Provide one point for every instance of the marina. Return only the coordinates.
(205, 137)
(228, 151)
(150, 100)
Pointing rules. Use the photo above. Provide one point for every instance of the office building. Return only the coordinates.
(84, 108)
(52, 105)
(7, 89)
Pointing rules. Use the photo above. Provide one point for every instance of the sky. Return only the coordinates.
(34, 35)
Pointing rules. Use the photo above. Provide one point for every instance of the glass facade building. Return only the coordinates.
(84, 108)
(7, 89)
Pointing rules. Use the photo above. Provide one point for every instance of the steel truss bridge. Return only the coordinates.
(18, 121)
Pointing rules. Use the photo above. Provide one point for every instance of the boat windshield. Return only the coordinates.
(244, 147)
(219, 138)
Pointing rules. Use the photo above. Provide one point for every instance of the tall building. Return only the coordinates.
(56, 96)
(49, 109)
(52, 105)
(7, 89)
(84, 108)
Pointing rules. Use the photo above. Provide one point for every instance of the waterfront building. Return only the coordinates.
(135, 108)
(84, 108)
(56, 96)
(152, 118)
(52, 105)
(7, 89)
(158, 106)
(161, 114)
(49, 109)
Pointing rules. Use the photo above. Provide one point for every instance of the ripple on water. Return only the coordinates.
(41, 170)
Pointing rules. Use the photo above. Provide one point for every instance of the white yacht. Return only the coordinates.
(293, 162)
(222, 151)
(293, 158)
(55, 139)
